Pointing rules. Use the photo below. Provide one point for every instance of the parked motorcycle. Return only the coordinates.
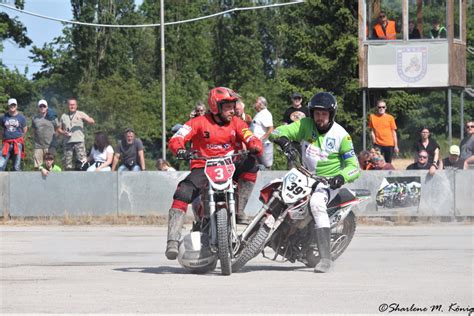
(285, 223)
(214, 233)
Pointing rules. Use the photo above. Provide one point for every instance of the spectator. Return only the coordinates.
(365, 161)
(240, 112)
(102, 154)
(48, 165)
(414, 32)
(163, 165)
(262, 127)
(430, 145)
(453, 161)
(384, 131)
(130, 151)
(380, 164)
(467, 145)
(199, 110)
(44, 131)
(72, 127)
(296, 111)
(385, 29)
(373, 152)
(437, 31)
(422, 163)
(13, 130)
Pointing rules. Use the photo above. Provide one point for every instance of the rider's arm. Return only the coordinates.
(291, 131)
(351, 170)
(245, 134)
(182, 136)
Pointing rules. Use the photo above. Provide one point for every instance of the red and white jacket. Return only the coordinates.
(211, 139)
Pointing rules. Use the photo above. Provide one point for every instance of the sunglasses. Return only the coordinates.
(423, 157)
(381, 107)
(296, 98)
(382, 16)
(42, 106)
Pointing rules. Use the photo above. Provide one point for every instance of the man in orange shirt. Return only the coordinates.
(385, 29)
(384, 131)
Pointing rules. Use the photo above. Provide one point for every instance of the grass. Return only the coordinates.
(162, 220)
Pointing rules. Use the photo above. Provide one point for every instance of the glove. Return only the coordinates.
(181, 153)
(254, 150)
(336, 182)
(283, 142)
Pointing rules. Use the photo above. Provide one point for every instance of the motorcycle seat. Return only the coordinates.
(342, 197)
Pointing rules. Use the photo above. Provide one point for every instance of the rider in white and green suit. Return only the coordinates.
(328, 151)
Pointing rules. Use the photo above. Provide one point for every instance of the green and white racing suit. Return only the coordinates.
(327, 155)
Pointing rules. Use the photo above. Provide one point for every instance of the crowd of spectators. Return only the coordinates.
(128, 154)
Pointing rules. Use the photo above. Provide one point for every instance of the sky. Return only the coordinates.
(39, 30)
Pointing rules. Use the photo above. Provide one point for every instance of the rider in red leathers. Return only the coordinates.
(217, 133)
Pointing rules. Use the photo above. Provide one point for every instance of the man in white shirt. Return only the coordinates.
(262, 127)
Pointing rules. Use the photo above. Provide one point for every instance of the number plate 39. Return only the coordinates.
(295, 186)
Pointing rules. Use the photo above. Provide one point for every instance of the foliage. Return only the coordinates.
(309, 47)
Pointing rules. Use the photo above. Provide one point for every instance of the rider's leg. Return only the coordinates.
(186, 192)
(318, 205)
(176, 216)
(246, 176)
(246, 183)
(245, 189)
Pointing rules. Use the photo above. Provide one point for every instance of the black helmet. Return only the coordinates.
(323, 101)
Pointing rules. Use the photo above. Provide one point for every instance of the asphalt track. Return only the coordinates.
(119, 269)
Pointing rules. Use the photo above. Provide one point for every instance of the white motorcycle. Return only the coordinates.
(285, 223)
(214, 234)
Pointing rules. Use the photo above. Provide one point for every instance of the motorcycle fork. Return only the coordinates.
(212, 217)
(258, 217)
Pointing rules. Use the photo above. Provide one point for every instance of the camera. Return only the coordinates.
(130, 164)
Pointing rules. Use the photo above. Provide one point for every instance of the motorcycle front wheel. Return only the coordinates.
(252, 249)
(339, 241)
(223, 241)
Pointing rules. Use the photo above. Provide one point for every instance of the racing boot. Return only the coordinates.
(323, 239)
(175, 224)
(245, 189)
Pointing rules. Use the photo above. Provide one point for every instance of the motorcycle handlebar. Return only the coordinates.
(195, 155)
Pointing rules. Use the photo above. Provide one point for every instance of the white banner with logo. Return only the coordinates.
(408, 65)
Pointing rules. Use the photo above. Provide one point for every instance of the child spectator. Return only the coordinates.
(163, 165)
(48, 165)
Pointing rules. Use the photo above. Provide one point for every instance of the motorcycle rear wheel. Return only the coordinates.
(339, 241)
(223, 242)
(252, 249)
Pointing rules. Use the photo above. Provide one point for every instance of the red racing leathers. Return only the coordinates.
(211, 139)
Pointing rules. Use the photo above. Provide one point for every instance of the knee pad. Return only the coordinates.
(248, 176)
(318, 206)
(184, 192)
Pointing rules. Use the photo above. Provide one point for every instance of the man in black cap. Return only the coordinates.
(295, 113)
(130, 151)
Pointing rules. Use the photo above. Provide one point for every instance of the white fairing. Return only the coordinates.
(295, 186)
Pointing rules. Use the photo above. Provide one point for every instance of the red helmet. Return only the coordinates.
(220, 95)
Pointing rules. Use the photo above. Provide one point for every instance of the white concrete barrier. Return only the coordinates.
(447, 193)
